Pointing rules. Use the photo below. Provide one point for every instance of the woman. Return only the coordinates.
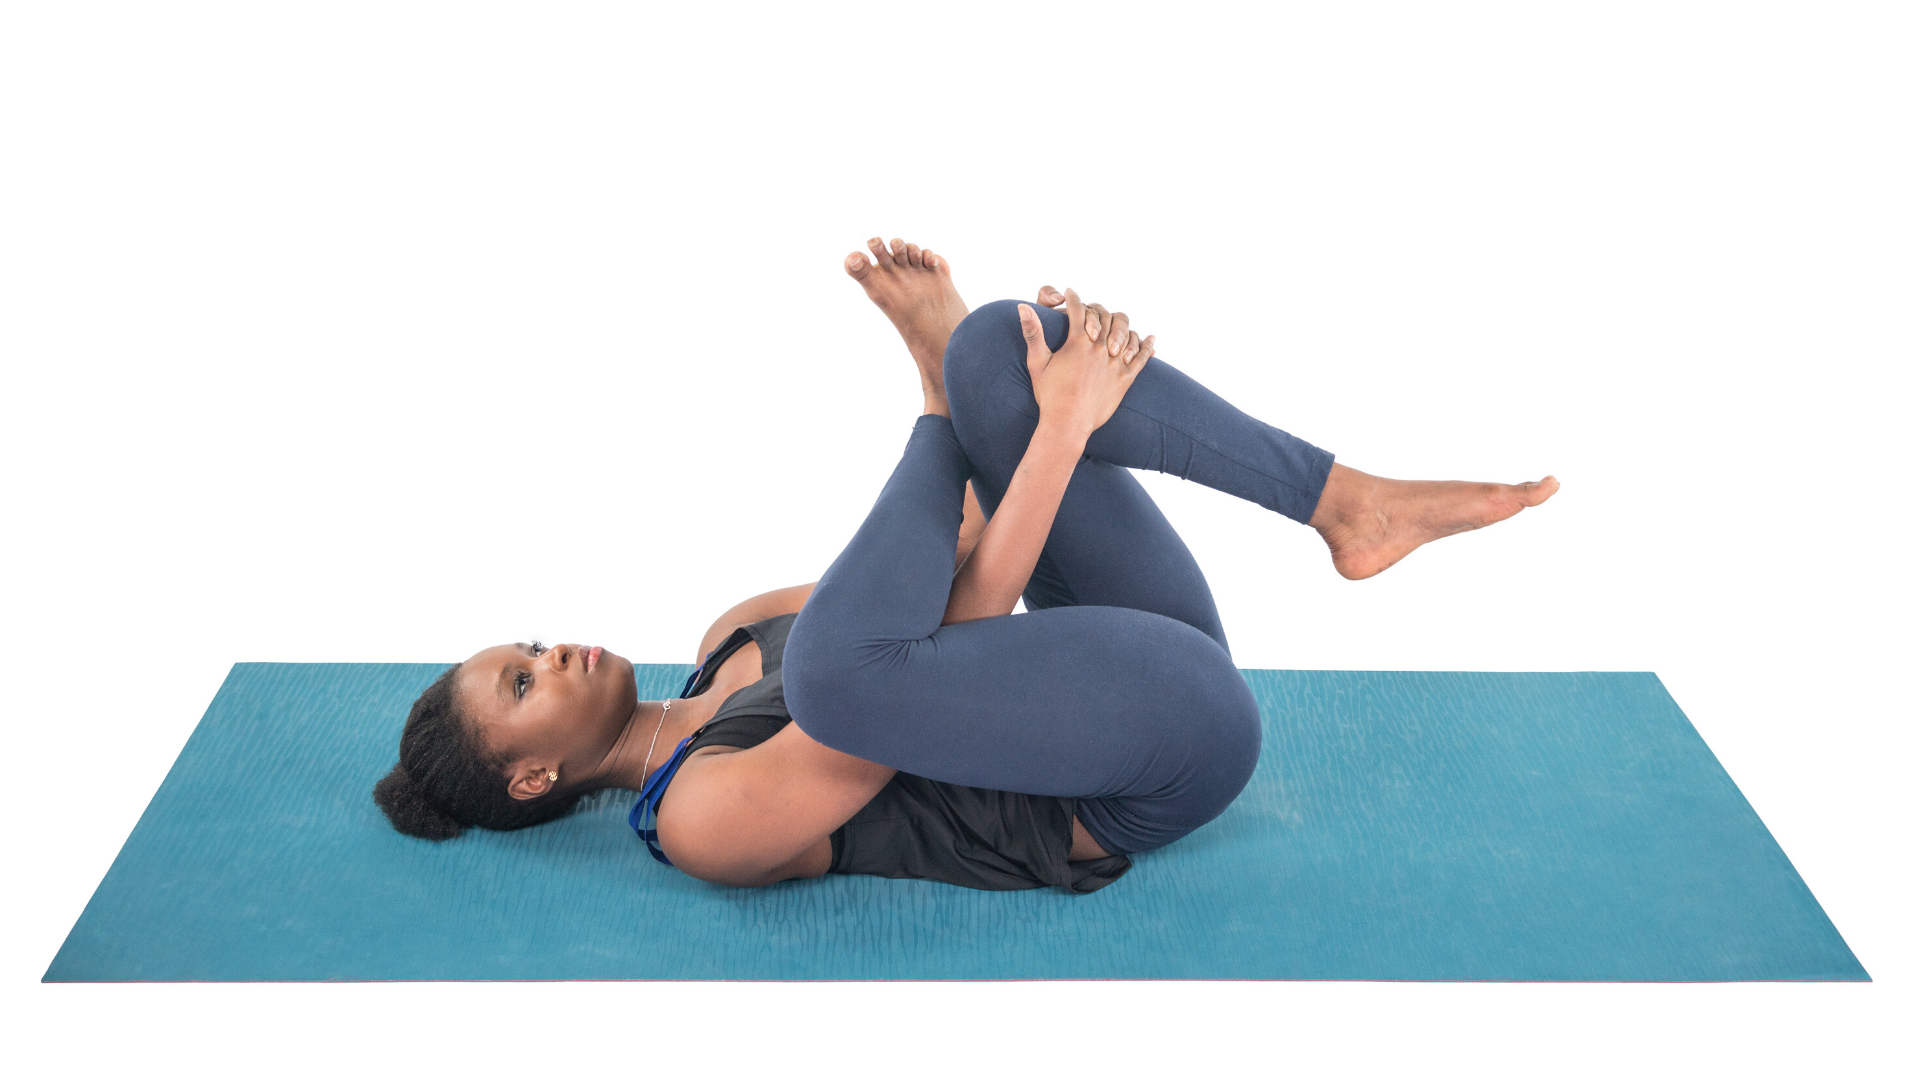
(895, 718)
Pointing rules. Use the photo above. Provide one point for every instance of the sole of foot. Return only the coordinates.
(1370, 523)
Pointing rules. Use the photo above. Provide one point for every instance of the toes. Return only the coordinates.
(899, 252)
(879, 249)
(913, 257)
(933, 261)
(858, 267)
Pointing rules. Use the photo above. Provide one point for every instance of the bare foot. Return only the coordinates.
(914, 287)
(1370, 523)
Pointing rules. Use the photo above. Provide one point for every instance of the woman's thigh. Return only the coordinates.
(1142, 717)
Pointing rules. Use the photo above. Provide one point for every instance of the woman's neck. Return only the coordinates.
(657, 727)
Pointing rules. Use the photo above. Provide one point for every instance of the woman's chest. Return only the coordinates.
(739, 670)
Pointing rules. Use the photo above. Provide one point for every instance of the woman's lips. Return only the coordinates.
(593, 657)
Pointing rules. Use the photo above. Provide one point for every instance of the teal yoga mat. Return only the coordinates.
(1401, 825)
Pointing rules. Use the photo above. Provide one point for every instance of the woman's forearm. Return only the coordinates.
(972, 521)
(995, 574)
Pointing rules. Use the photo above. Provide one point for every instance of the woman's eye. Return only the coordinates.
(521, 680)
(538, 648)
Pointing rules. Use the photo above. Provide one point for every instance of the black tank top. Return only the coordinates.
(915, 827)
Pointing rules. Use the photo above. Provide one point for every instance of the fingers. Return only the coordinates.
(1096, 320)
(1076, 313)
(1051, 297)
(1036, 335)
(1145, 354)
(1100, 325)
(1101, 322)
(1031, 329)
(1117, 331)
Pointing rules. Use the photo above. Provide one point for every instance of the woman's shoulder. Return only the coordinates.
(735, 817)
(754, 609)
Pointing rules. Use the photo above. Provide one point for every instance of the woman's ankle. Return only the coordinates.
(1345, 497)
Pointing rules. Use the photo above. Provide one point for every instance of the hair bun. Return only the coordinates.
(411, 811)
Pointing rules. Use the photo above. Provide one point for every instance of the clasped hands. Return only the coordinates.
(1080, 386)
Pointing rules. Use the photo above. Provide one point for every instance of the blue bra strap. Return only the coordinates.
(686, 688)
(650, 796)
(649, 804)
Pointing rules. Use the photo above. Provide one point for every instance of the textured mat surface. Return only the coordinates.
(1402, 825)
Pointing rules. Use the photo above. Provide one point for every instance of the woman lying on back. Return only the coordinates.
(896, 718)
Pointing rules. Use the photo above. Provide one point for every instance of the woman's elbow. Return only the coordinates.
(711, 863)
(733, 877)
(722, 856)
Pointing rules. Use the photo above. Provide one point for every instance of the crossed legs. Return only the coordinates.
(1116, 687)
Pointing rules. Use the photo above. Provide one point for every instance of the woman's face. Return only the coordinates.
(568, 702)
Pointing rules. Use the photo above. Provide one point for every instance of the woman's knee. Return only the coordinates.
(822, 683)
(815, 663)
(988, 341)
(1223, 729)
(1226, 729)
(1237, 740)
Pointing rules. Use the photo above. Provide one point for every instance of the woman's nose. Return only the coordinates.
(559, 657)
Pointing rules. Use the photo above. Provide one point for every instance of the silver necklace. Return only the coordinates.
(664, 706)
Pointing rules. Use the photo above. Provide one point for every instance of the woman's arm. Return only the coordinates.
(751, 610)
(972, 521)
(992, 579)
(754, 817)
(1077, 389)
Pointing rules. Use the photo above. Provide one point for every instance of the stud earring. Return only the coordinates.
(552, 776)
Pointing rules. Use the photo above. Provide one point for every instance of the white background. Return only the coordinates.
(383, 332)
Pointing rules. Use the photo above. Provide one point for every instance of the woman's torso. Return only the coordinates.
(914, 827)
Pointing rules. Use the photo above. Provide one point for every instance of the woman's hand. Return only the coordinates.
(1079, 387)
(1054, 298)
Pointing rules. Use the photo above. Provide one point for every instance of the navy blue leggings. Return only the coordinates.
(1116, 686)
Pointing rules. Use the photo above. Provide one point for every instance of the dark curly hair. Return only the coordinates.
(447, 779)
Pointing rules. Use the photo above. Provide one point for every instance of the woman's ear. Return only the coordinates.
(530, 779)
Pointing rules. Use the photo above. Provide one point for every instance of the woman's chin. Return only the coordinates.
(622, 669)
